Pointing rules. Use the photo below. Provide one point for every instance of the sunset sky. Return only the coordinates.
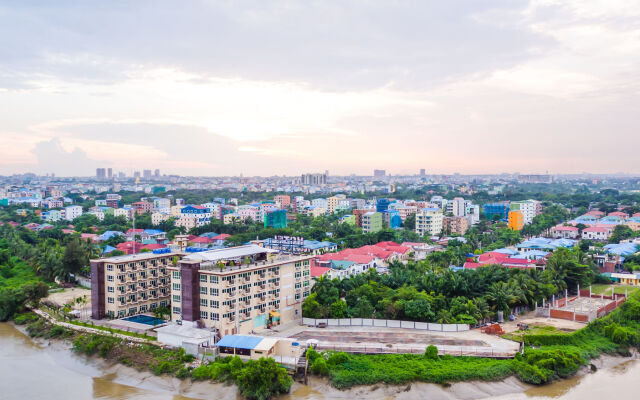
(285, 87)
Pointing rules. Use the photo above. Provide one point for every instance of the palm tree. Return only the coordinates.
(501, 297)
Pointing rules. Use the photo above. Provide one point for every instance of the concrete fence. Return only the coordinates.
(386, 323)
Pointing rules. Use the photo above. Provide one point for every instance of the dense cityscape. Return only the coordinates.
(295, 200)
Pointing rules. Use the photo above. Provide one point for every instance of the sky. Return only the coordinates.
(222, 88)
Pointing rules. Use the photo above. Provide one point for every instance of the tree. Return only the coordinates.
(161, 312)
(311, 308)
(621, 232)
(73, 260)
(263, 379)
(410, 222)
(500, 297)
(419, 310)
(338, 309)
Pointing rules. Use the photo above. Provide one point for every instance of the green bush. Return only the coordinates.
(183, 373)
(25, 318)
(337, 358)
(319, 367)
(263, 379)
(431, 352)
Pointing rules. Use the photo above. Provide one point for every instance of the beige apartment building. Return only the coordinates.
(429, 222)
(128, 285)
(240, 289)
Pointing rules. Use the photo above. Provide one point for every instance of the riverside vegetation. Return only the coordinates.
(256, 379)
(547, 356)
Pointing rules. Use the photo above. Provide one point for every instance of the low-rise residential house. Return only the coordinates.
(597, 233)
(565, 232)
(141, 207)
(51, 216)
(72, 212)
(455, 225)
(158, 217)
(126, 212)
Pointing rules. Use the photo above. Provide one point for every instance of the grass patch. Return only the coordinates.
(398, 369)
(600, 288)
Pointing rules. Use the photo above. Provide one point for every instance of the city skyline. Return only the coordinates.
(286, 88)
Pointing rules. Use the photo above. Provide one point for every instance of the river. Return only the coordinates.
(38, 370)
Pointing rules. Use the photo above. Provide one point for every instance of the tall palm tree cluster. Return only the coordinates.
(50, 258)
(424, 291)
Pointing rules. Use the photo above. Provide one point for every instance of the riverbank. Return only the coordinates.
(110, 380)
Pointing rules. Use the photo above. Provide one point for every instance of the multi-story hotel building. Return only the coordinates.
(239, 289)
(130, 285)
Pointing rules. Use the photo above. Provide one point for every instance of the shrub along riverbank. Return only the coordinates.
(546, 357)
(259, 380)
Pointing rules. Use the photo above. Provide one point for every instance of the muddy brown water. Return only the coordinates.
(41, 370)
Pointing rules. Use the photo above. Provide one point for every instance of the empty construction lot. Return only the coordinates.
(374, 340)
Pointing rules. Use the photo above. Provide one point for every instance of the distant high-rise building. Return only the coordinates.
(109, 173)
(100, 173)
(147, 174)
(422, 172)
(121, 175)
(156, 173)
(313, 179)
(136, 175)
(379, 173)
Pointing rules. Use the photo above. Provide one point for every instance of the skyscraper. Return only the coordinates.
(147, 174)
(422, 172)
(100, 173)
(379, 173)
(109, 173)
(156, 173)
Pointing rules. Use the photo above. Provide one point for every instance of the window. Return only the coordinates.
(297, 296)
(110, 289)
(306, 283)
(215, 317)
(306, 272)
(109, 278)
(203, 302)
(176, 298)
(297, 274)
(203, 278)
(110, 300)
(213, 291)
(214, 303)
(176, 275)
(203, 290)
(213, 279)
(306, 263)
(177, 310)
(298, 285)
(109, 268)
(204, 315)
(176, 286)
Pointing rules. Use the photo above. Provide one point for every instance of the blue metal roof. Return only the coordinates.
(239, 342)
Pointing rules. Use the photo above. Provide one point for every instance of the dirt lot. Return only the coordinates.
(67, 295)
(531, 320)
(397, 340)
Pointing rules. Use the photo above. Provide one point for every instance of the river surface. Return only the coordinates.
(41, 370)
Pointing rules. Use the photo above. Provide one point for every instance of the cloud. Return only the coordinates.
(52, 157)
(330, 44)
